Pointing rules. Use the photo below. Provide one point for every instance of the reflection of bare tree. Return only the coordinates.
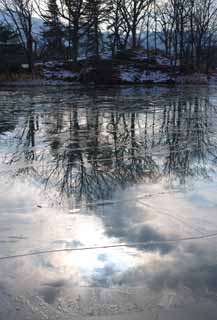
(6, 124)
(25, 149)
(132, 163)
(94, 151)
(100, 155)
(26, 140)
(186, 130)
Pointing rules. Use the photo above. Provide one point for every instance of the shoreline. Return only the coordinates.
(57, 83)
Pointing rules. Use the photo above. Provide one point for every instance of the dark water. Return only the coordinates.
(129, 172)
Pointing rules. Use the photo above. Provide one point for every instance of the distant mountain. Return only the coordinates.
(37, 24)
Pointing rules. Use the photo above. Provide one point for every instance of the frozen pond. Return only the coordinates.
(108, 206)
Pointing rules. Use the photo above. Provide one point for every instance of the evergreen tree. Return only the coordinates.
(10, 50)
(53, 30)
(72, 11)
(96, 14)
(7, 34)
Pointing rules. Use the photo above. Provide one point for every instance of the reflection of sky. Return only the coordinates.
(26, 229)
(161, 274)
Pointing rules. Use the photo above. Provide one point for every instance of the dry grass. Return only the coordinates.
(20, 76)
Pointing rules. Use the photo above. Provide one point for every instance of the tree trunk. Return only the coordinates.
(134, 37)
(75, 46)
(29, 54)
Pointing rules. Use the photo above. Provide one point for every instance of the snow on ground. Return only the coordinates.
(155, 76)
(140, 55)
(54, 63)
(129, 75)
(195, 78)
(132, 75)
(166, 62)
(106, 55)
(61, 75)
(163, 61)
(54, 70)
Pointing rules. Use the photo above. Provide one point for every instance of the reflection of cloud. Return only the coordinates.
(191, 267)
(103, 277)
(130, 224)
(147, 234)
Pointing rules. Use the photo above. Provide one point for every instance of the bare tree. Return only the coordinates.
(53, 33)
(166, 21)
(133, 12)
(115, 25)
(72, 11)
(203, 26)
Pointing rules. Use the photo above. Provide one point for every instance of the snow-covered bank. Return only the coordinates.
(57, 71)
(133, 68)
(127, 78)
(133, 76)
